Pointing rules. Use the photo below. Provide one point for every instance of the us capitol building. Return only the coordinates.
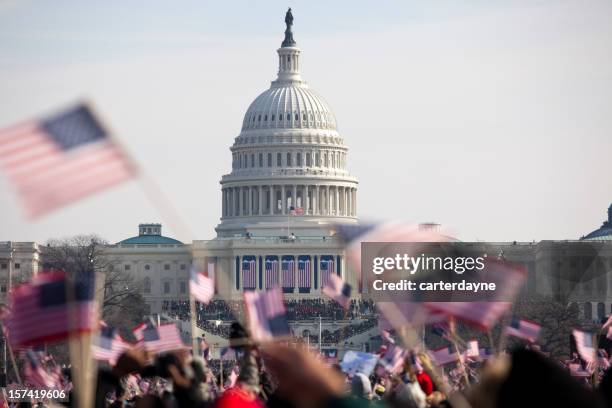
(287, 191)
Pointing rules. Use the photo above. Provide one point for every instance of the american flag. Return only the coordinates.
(61, 158)
(36, 375)
(585, 345)
(338, 290)
(266, 314)
(249, 277)
(109, 345)
(272, 275)
(445, 355)
(201, 287)
(386, 337)
(395, 315)
(227, 353)
(40, 311)
(484, 314)
(607, 327)
(296, 210)
(327, 269)
(303, 273)
(233, 377)
(576, 370)
(393, 359)
(523, 329)
(165, 337)
(288, 267)
(485, 353)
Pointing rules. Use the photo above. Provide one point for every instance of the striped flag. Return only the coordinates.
(393, 359)
(227, 353)
(445, 355)
(201, 287)
(288, 267)
(304, 273)
(584, 345)
(607, 327)
(576, 370)
(266, 314)
(483, 314)
(386, 337)
(40, 311)
(36, 375)
(338, 290)
(249, 271)
(327, 269)
(272, 275)
(61, 158)
(523, 329)
(109, 345)
(165, 337)
(296, 210)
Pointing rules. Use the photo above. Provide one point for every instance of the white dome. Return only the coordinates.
(290, 105)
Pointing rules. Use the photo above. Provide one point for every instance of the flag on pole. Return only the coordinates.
(584, 345)
(162, 338)
(62, 158)
(523, 329)
(338, 290)
(41, 311)
(109, 345)
(266, 314)
(445, 355)
(36, 375)
(201, 287)
(386, 337)
(393, 359)
(227, 353)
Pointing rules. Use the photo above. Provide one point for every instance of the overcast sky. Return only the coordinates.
(492, 118)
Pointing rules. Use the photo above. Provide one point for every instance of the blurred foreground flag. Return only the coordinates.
(50, 307)
(523, 329)
(266, 314)
(338, 290)
(393, 359)
(59, 159)
(201, 287)
(109, 345)
(36, 375)
(445, 355)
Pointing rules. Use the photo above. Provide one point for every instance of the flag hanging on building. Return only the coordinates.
(272, 275)
(109, 345)
(41, 312)
(165, 337)
(523, 329)
(249, 274)
(445, 355)
(585, 345)
(201, 287)
(61, 158)
(266, 314)
(338, 290)
(327, 269)
(303, 273)
(296, 210)
(288, 267)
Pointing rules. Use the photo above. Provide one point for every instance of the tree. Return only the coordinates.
(122, 305)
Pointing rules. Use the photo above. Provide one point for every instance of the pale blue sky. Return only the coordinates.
(492, 118)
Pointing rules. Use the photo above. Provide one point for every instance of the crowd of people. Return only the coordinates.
(340, 335)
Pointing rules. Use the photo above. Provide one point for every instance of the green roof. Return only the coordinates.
(150, 239)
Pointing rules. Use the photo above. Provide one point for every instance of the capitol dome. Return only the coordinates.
(604, 233)
(289, 158)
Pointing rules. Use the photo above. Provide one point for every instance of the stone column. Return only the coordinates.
(250, 199)
(260, 200)
(240, 209)
(294, 198)
(305, 198)
(234, 201)
(241, 286)
(355, 202)
(312, 274)
(283, 200)
(271, 194)
(327, 201)
(337, 203)
(316, 206)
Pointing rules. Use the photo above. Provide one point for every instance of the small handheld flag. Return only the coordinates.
(338, 290)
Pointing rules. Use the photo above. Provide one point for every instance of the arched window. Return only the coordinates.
(147, 285)
(266, 118)
(252, 160)
(269, 159)
(259, 118)
(289, 160)
(298, 159)
(279, 160)
(308, 163)
(272, 117)
(260, 159)
(288, 116)
(297, 116)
